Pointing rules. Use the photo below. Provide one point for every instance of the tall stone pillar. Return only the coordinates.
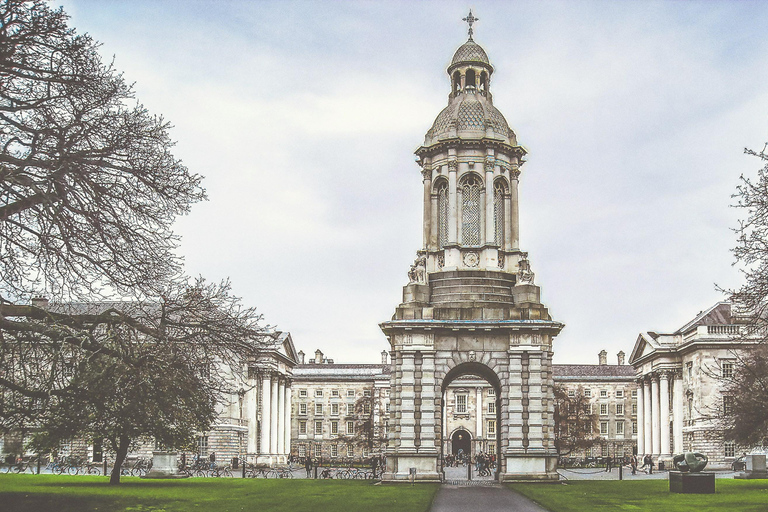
(536, 406)
(655, 423)
(514, 210)
(407, 402)
(640, 420)
(490, 225)
(677, 412)
(426, 175)
(274, 414)
(280, 417)
(647, 415)
(664, 414)
(429, 404)
(453, 202)
(266, 420)
(287, 419)
(479, 414)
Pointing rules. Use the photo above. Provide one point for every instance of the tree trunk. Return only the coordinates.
(122, 452)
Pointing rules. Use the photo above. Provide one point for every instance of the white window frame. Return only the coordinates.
(318, 392)
(318, 409)
(350, 427)
(619, 409)
(461, 403)
(334, 409)
(318, 431)
(603, 409)
(303, 409)
(603, 428)
(588, 393)
(303, 427)
(334, 428)
(491, 427)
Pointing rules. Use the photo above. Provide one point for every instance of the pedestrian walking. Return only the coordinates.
(308, 466)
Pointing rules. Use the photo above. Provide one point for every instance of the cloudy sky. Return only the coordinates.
(303, 117)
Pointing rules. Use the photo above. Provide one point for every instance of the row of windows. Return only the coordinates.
(336, 408)
(336, 393)
(461, 405)
(470, 189)
(619, 431)
(333, 450)
(335, 427)
(603, 393)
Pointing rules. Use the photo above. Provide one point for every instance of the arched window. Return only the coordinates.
(483, 81)
(471, 186)
(499, 191)
(456, 82)
(470, 80)
(442, 213)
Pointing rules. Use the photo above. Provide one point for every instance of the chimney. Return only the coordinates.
(603, 357)
(318, 357)
(620, 355)
(301, 356)
(40, 302)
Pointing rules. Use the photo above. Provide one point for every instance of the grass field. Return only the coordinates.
(647, 496)
(43, 493)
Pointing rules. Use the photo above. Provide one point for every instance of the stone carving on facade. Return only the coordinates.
(472, 355)
(453, 165)
(490, 164)
(514, 173)
(524, 273)
(501, 260)
(441, 260)
(418, 272)
(471, 259)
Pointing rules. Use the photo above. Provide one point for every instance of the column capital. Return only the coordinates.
(453, 165)
(490, 163)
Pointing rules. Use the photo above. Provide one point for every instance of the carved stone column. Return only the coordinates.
(640, 419)
(655, 423)
(407, 402)
(280, 416)
(514, 210)
(426, 175)
(490, 225)
(664, 414)
(647, 415)
(453, 202)
(274, 414)
(287, 421)
(677, 412)
(266, 421)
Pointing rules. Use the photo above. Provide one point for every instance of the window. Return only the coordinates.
(335, 393)
(619, 428)
(350, 450)
(318, 392)
(571, 392)
(366, 408)
(491, 427)
(303, 393)
(603, 428)
(303, 409)
(202, 445)
(318, 408)
(335, 428)
(367, 392)
(620, 409)
(634, 427)
(334, 409)
(302, 427)
(588, 393)
(603, 409)
(689, 369)
(727, 405)
(350, 427)
(729, 448)
(491, 392)
(302, 450)
(603, 393)
(634, 393)
(491, 449)
(499, 191)
(461, 404)
(634, 409)
(318, 450)
(386, 407)
(726, 366)
(318, 428)
(470, 209)
(442, 213)
(619, 393)
(351, 393)
(491, 407)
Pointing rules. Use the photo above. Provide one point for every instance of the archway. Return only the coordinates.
(461, 442)
(470, 420)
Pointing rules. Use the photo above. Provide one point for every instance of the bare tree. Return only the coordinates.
(369, 433)
(89, 190)
(575, 424)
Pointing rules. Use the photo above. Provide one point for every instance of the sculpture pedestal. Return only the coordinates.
(164, 466)
(755, 468)
(691, 483)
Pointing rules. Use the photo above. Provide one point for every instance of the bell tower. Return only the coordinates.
(471, 306)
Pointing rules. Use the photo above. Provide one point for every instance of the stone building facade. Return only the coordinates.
(679, 386)
(471, 306)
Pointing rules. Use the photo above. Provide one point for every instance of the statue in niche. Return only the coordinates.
(418, 272)
(691, 462)
(524, 273)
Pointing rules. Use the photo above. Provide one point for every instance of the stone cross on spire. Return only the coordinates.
(470, 20)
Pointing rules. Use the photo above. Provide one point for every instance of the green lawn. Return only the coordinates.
(647, 496)
(37, 493)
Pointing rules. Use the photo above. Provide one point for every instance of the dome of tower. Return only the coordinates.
(470, 116)
(470, 52)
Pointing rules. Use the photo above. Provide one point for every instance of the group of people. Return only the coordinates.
(647, 466)
(483, 463)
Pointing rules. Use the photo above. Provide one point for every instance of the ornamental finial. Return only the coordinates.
(470, 20)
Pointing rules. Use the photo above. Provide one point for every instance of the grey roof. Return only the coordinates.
(470, 52)
(335, 372)
(593, 372)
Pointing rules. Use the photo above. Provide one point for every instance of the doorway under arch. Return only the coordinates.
(461, 442)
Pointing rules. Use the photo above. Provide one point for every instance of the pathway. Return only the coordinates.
(496, 498)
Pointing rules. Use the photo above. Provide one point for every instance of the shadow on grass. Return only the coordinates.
(24, 502)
